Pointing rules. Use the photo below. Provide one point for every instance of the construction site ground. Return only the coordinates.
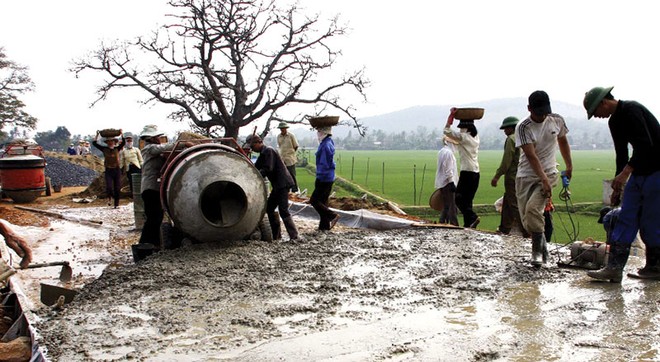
(410, 294)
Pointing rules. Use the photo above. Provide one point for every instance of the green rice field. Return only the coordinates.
(407, 178)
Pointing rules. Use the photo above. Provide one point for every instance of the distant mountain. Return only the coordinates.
(583, 133)
(436, 116)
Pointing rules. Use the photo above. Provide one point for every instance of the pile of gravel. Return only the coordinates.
(65, 173)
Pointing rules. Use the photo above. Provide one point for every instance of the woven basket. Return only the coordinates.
(436, 202)
(326, 121)
(109, 132)
(469, 113)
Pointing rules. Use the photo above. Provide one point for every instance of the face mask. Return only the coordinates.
(320, 136)
(129, 144)
(463, 130)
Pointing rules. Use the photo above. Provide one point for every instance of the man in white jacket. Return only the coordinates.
(445, 180)
(131, 160)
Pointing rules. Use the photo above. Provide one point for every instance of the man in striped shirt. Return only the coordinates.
(539, 136)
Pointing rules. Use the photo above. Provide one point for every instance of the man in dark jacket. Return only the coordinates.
(270, 165)
(325, 178)
(112, 163)
(631, 124)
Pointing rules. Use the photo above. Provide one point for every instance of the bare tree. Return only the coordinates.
(14, 81)
(227, 63)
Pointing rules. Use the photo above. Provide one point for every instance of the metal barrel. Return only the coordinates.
(23, 177)
(212, 192)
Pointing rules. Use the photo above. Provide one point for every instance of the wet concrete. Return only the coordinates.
(350, 295)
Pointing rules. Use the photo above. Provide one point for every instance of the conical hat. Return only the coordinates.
(436, 201)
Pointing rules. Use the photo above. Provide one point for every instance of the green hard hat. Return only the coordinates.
(509, 122)
(593, 98)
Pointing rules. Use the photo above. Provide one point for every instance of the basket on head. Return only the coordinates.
(109, 132)
(325, 121)
(469, 113)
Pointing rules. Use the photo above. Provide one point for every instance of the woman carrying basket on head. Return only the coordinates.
(112, 164)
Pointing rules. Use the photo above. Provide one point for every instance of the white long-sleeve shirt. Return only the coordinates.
(468, 149)
(446, 171)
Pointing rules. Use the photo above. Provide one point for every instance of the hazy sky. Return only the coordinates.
(416, 52)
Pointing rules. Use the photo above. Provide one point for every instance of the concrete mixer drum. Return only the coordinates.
(212, 192)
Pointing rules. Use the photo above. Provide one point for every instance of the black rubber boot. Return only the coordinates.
(616, 261)
(652, 268)
(290, 227)
(538, 246)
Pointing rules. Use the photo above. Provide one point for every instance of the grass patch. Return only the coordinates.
(407, 178)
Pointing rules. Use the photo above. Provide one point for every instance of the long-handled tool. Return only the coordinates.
(66, 273)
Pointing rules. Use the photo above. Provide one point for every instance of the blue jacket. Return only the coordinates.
(325, 164)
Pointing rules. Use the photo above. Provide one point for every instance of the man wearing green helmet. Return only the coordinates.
(508, 168)
(631, 124)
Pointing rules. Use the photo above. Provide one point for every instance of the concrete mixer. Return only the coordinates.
(22, 173)
(212, 192)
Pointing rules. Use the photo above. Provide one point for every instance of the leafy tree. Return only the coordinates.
(14, 81)
(54, 141)
(227, 63)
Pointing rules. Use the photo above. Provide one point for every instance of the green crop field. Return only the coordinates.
(407, 178)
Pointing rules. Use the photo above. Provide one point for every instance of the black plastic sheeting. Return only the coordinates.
(356, 219)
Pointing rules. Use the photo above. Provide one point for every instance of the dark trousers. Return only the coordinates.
(132, 169)
(278, 199)
(153, 212)
(510, 212)
(292, 172)
(468, 183)
(449, 213)
(113, 183)
(319, 201)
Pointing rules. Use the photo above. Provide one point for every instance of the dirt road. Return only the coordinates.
(350, 295)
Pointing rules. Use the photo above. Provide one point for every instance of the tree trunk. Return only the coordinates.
(232, 132)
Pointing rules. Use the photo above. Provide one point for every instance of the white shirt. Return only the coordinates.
(446, 171)
(544, 138)
(468, 149)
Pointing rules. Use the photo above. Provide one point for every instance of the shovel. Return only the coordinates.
(53, 294)
(65, 274)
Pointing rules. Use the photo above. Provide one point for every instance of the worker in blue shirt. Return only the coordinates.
(325, 178)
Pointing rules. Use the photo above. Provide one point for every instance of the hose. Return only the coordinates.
(565, 196)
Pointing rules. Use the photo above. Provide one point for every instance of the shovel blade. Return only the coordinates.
(51, 293)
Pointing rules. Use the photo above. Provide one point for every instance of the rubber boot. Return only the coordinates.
(538, 245)
(652, 268)
(616, 261)
(291, 228)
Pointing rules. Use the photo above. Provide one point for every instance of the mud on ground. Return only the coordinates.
(413, 294)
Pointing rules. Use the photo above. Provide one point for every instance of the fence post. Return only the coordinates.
(352, 166)
(421, 188)
(366, 178)
(414, 185)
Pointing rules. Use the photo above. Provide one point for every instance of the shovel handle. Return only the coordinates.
(53, 263)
